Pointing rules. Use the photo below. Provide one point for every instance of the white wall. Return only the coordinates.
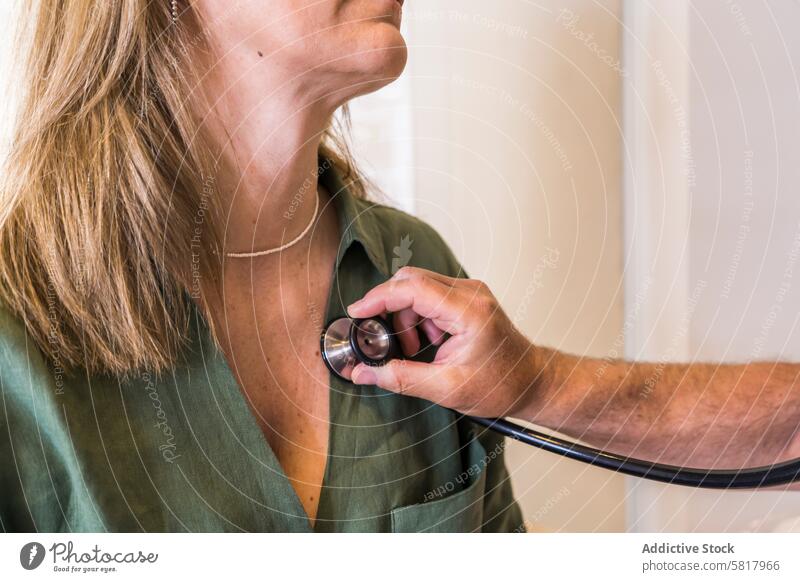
(7, 102)
(517, 149)
(517, 163)
(735, 251)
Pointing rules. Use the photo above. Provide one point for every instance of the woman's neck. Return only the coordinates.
(265, 130)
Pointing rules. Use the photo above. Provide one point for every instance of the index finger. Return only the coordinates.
(426, 296)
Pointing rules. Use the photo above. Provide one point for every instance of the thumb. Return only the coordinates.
(405, 377)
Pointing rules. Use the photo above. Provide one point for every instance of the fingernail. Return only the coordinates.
(364, 375)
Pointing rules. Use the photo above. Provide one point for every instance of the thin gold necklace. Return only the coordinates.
(292, 242)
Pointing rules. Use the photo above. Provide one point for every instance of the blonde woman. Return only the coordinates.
(177, 223)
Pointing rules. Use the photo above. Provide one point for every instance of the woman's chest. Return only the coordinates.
(287, 390)
(272, 346)
(183, 451)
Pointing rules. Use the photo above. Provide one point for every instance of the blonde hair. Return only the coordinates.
(105, 176)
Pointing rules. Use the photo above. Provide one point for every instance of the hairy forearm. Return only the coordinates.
(702, 415)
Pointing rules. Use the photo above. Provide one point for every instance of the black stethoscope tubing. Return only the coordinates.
(767, 476)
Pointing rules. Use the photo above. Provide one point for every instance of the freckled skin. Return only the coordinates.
(279, 72)
(288, 388)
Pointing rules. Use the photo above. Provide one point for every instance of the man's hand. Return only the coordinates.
(701, 415)
(484, 366)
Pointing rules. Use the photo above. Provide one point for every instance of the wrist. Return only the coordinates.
(539, 384)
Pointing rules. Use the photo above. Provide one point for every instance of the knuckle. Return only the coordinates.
(411, 279)
(417, 279)
(397, 372)
(482, 295)
(486, 304)
(395, 285)
(483, 287)
(406, 272)
(474, 284)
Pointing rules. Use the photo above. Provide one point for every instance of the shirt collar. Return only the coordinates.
(357, 222)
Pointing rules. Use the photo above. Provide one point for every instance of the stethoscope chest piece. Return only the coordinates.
(346, 342)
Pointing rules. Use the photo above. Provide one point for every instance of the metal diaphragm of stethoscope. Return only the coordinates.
(346, 342)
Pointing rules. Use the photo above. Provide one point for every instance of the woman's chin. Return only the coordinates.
(394, 60)
(375, 67)
(390, 52)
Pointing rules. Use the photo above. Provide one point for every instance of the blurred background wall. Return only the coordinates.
(624, 175)
(713, 214)
(512, 111)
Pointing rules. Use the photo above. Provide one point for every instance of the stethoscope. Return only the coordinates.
(347, 342)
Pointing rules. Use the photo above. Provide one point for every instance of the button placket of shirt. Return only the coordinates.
(336, 497)
(350, 282)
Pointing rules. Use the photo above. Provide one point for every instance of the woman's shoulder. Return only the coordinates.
(21, 361)
(13, 339)
(406, 240)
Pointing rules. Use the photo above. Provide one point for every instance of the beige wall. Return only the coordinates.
(739, 249)
(517, 163)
